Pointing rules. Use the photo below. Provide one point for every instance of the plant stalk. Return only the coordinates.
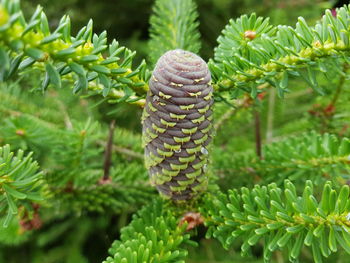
(108, 151)
(257, 133)
(270, 115)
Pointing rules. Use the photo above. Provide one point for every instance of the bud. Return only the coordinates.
(250, 34)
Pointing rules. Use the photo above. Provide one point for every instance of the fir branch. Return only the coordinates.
(297, 158)
(29, 132)
(110, 197)
(74, 165)
(153, 236)
(270, 54)
(20, 182)
(75, 153)
(60, 55)
(173, 25)
(15, 101)
(127, 190)
(281, 219)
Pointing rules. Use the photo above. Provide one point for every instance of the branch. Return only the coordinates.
(20, 181)
(281, 219)
(306, 156)
(173, 25)
(113, 196)
(270, 54)
(152, 236)
(86, 58)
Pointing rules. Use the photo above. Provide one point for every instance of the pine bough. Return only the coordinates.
(282, 219)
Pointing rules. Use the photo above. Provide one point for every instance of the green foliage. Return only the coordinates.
(281, 218)
(74, 166)
(76, 154)
(308, 156)
(129, 187)
(73, 161)
(20, 182)
(81, 58)
(27, 132)
(11, 235)
(174, 25)
(252, 52)
(153, 236)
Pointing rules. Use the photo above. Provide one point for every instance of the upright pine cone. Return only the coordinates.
(177, 124)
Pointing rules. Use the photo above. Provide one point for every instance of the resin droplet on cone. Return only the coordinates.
(177, 124)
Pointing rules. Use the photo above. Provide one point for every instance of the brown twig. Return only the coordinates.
(270, 115)
(257, 133)
(108, 151)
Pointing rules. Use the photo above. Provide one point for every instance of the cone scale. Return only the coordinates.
(177, 124)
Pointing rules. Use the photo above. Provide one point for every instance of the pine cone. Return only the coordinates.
(177, 124)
